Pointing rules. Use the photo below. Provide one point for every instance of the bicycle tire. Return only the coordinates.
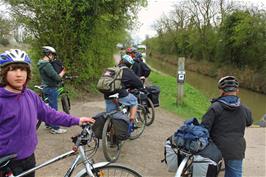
(113, 170)
(65, 103)
(150, 116)
(139, 123)
(111, 147)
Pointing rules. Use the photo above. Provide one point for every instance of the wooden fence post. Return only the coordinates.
(180, 80)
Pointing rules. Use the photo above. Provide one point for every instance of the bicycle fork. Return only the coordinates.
(85, 161)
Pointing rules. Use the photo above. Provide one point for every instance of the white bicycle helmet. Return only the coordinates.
(127, 59)
(228, 83)
(14, 56)
(48, 49)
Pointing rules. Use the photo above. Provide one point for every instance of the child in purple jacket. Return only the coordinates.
(20, 109)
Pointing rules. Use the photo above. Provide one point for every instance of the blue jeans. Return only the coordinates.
(233, 168)
(52, 95)
(129, 100)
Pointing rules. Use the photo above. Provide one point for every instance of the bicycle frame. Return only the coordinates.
(81, 158)
(185, 166)
(182, 166)
(61, 90)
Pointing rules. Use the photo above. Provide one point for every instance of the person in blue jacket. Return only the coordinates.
(20, 109)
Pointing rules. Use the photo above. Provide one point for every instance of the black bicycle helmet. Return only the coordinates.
(228, 83)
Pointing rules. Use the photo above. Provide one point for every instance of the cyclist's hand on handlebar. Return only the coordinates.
(62, 73)
(85, 120)
(142, 78)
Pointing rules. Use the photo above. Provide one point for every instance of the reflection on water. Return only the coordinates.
(208, 86)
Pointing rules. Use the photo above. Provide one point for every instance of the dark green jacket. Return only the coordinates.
(48, 75)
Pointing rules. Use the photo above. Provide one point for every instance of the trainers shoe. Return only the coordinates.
(48, 127)
(58, 131)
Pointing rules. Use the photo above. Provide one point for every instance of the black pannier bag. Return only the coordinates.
(98, 125)
(142, 99)
(121, 125)
(153, 94)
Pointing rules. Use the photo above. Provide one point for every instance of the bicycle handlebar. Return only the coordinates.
(85, 136)
(40, 87)
(69, 77)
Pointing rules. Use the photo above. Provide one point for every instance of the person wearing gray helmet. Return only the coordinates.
(226, 120)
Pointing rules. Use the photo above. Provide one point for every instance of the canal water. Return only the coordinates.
(208, 86)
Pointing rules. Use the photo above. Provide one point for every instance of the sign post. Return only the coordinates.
(181, 75)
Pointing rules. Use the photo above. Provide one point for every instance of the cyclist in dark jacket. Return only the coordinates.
(226, 120)
(140, 68)
(143, 67)
(129, 81)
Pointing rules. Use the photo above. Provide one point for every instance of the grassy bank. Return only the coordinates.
(195, 104)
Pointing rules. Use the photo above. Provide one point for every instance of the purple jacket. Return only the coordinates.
(19, 113)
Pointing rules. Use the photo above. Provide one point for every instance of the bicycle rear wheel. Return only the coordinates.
(139, 123)
(65, 103)
(113, 170)
(150, 112)
(111, 146)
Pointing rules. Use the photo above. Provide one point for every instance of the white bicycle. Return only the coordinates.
(185, 168)
(86, 145)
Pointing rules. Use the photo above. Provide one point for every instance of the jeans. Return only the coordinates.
(233, 168)
(129, 100)
(52, 95)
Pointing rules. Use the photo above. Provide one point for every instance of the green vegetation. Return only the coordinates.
(195, 104)
(227, 35)
(5, 28)
(84, 32)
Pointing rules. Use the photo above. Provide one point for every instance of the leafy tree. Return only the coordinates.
(5, 29)
(83, 32)
(243, 39)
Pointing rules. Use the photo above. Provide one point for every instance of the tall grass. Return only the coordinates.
(194, 104)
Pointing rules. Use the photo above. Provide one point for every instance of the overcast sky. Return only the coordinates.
(157, 8)
(154, 10)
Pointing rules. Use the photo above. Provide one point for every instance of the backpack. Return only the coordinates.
(110, 81)
(57, 65)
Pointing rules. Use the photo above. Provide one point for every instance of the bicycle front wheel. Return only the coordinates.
(111, 146)
(113, 170)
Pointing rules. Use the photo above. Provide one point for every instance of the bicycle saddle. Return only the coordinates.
(116, 95)
(5, 160)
